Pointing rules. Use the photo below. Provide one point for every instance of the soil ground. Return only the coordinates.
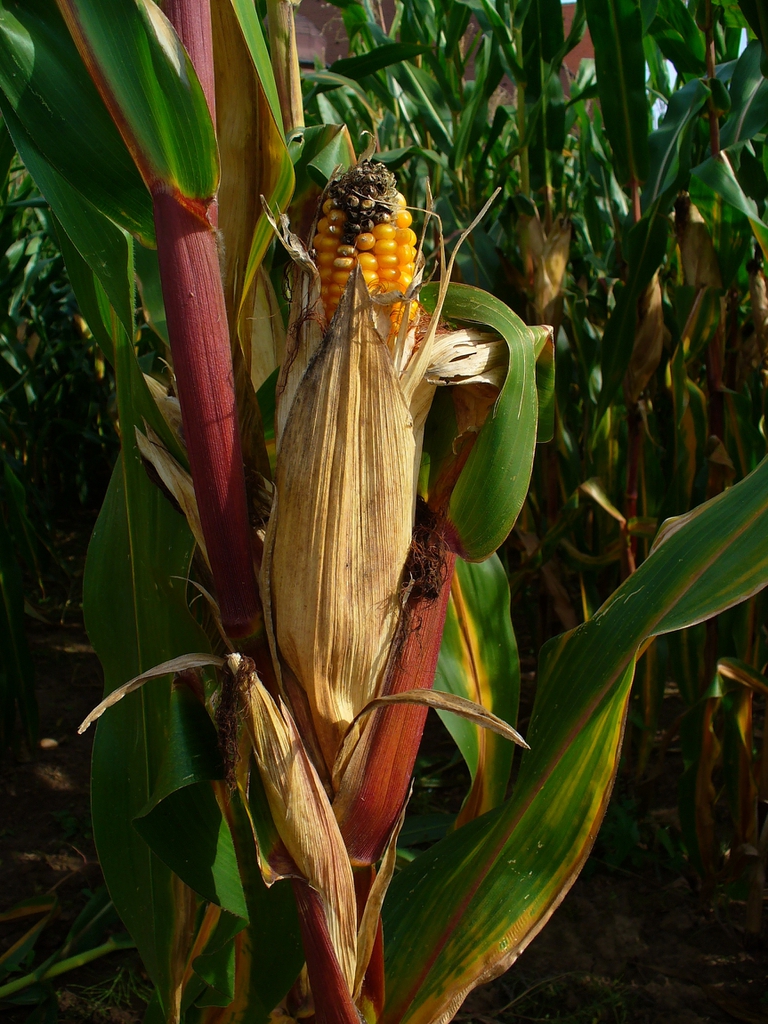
(628, 944)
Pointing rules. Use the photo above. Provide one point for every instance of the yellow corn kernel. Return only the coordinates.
(369, 228)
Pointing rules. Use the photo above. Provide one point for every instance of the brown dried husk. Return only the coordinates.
(649, 341)
(303, 816)
(340, 530)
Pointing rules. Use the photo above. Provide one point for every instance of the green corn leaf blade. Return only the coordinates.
(215, 966)
(463, 911)
(131, 635)
(743, 440)
(679, 38)
(382, 57)
(669, 146)
(136, 615)
(728, 226)
(100, 243)
(253, 36)
(756, 15)
(690, 411)
(182, 822)
(151, 290)
(46, 86)
(317, 151)
(749, 99)
(149, 85)
(429, 103)
(17, 675)
(719, 177)
(646, 248)
(617, 34)
(491, 489)
(545, 390)
(478, 660)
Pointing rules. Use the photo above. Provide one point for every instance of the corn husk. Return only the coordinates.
(340, 531)
(302, 815)
(649, 341)
(697, 253)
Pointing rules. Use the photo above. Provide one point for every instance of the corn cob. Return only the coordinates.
(364, 221)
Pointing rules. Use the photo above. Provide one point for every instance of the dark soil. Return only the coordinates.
(633, 943)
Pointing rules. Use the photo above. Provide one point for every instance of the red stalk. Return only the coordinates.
(199, 335)
(394, 737)
(333, 1003)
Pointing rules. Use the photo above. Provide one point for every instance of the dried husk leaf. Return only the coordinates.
(181, 664)
(649, 341)
(468, 357)
(175, 478)
(168, 405)
(697, 253)
(369, 922)
(305, 321)
(262, 330)
(340, 531)
(302, 815)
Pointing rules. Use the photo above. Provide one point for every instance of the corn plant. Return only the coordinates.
(301, 525)
(644, 249)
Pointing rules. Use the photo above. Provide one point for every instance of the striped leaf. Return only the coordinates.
(616, 29)
(150, 88)
(462, 913)
(44, 84)
(492, 486)
(478, 660)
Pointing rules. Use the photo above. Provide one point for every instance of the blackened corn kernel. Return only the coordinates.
(364, 220)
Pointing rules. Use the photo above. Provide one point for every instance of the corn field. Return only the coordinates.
(442, 331)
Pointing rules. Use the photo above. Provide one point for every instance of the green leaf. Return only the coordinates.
(465, 909)
(646, 248)
(103, 245)
(757, 16)
(137, 616)
(46, 86)
(491, 489)
(679, 38)
(182, 822)
(149, 85)
(669, 146)
(382, 57)
(545, 390)
(478, 660)
(617, 35)
(719, 177)
(728, 227)
(749, 99)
